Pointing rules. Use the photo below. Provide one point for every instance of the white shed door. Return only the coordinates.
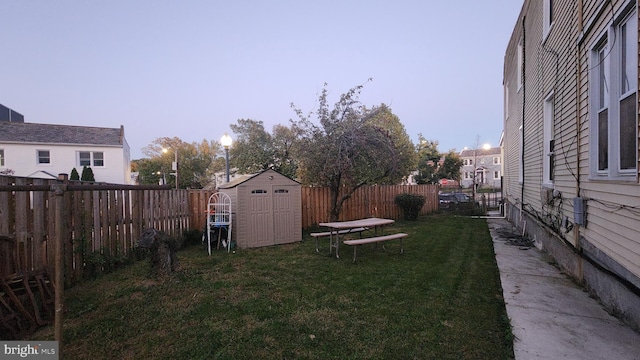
(260, 212)
(283, 214)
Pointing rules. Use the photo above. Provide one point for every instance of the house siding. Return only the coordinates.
(603, 253)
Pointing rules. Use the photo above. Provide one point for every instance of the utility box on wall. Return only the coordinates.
(580, 211)
(267, 209)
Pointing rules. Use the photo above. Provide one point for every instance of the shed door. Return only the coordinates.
(260, 229)
(283, 214)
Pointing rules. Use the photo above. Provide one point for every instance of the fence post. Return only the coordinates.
(59, 190)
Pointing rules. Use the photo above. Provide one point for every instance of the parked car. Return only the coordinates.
(456, 198)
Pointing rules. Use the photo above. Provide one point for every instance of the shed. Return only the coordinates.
(266, 208)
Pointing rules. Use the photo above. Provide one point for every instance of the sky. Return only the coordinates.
(189, 69)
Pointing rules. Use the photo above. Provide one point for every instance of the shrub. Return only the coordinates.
(74, 175)
(410, 204)
(192, 237)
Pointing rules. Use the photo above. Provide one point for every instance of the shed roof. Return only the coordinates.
(242, 179)
(16, 132)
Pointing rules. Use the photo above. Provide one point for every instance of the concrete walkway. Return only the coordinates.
(551, 316)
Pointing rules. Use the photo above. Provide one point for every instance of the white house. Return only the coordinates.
(46, 150)
(482, 167)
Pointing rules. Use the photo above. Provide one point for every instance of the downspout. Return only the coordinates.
(580, 24)
(524, 97)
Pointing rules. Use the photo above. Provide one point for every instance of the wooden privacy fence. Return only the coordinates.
(105, 221)
(367, 201)
(100, 223)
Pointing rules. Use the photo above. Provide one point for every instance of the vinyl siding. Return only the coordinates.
(561, 63)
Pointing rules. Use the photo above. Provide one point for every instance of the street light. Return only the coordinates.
(174, 164)
(226, 143)
(163, 179)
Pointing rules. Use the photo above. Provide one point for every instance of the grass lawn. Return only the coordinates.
(441, 299)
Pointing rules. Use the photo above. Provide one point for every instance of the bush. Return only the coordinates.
(192, 237)
(411, 204)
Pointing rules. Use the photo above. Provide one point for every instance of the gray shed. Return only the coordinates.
(267, 209)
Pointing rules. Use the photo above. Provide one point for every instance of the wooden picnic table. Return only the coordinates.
(338, 228)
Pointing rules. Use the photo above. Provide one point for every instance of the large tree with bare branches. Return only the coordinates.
(351, 146)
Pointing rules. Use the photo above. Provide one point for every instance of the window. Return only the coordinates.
(613, 101)
(88, 158)
(1, 157)
(98, 159)
(44, 157)
(520, 167)
(258, 191)
(506, 100)
(496, 175)
(496, 160)
(85, 158)
(520, 59)
(548, 16)
(548, 156)
(281, 191)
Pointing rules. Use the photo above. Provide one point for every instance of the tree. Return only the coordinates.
(351, 147)
(74, 175)
(252, 150)
(255, 149)
(450, 169)
(196, 162)
(87, 174)
(284, 145)
(406, 157)
(428, 158)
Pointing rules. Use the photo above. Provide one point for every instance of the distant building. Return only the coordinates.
(9, 115)
(481, 167)
(46, 150)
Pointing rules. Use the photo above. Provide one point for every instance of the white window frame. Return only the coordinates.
(606, 63)
(520, 165)
(520, 57)
(549, 13)
(496, 160)
(40, 157)
(548, 153)
(94, 160)
(2, 158)
(506, 101)
(496, 175)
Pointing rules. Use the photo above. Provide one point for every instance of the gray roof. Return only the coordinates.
(480, 152)
(60, 134)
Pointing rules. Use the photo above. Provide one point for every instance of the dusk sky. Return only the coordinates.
(191, 68)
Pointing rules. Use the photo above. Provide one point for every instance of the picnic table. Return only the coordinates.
(341, 228)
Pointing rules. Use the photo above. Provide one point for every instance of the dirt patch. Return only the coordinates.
(514, 238)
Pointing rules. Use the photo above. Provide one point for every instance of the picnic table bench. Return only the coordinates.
(375, 239)
(317, 235)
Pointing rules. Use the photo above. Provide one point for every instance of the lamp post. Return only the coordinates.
(174, 165)
(226, 143)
